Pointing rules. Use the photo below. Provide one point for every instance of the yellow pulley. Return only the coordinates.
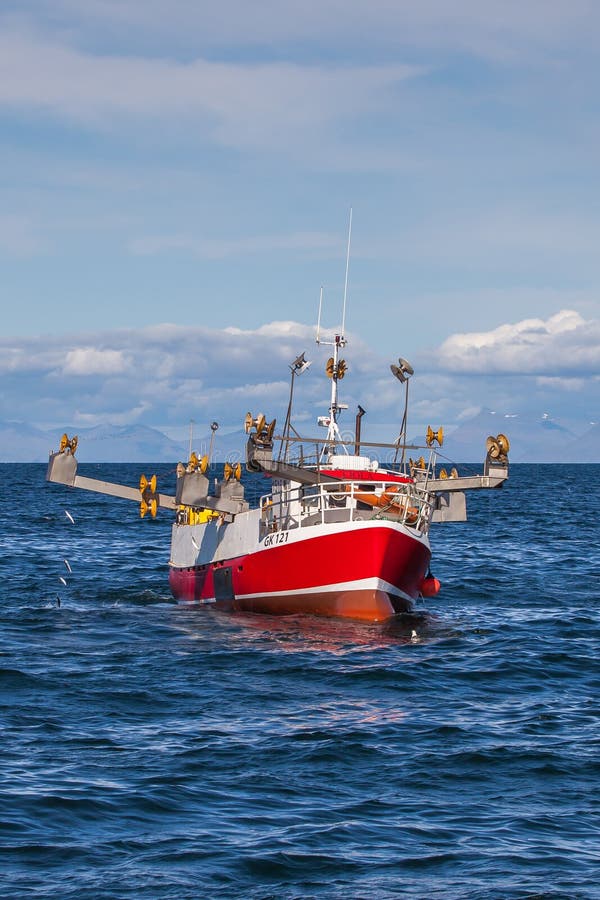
(432, 436)
(149, 501)
(497, 447)
(145, 484)
(329, 367)
(150, 506)
(66, 444)
(341, 369)
(270, 430)
(203, 464)
(492, 447)
(259, 423)
(503, 443)
(443, 474)
(230, 471)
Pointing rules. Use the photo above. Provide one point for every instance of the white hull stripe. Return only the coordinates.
(373, 584)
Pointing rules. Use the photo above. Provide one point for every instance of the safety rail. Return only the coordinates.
(345, 501)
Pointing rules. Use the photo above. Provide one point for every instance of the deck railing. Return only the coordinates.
(346, 501)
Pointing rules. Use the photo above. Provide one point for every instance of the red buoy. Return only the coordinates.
(430, 586)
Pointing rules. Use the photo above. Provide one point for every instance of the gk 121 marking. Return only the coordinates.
(279, 537)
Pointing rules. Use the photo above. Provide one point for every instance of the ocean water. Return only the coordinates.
(155, 751)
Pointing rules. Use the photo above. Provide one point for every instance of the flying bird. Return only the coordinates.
(63, 580)
(68, 565)
(69, 516)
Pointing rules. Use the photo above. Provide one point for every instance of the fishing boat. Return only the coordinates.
(337, 533)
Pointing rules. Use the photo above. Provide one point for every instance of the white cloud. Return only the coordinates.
(126, 417)
(564, 343)
(570, 385)
(276, 330)
(90, 361)
(169, 374)
(485, 28)
(468, 413)
(26, 356)
(267, 105)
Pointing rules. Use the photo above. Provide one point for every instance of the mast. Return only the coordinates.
(191, 437)
(336, 368)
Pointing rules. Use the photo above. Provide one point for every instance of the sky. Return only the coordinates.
(176, 183)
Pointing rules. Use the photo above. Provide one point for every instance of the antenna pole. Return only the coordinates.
(213, 429)
(319, 318)
(346, 279)
(333, 432)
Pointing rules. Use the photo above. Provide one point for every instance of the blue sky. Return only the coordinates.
(176, 178)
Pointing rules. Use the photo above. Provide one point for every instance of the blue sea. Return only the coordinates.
(154, 751)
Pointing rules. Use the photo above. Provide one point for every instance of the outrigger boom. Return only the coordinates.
(193, 488)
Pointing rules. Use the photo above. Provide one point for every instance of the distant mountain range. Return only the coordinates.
(104, 443)
(537, 440)
(541, 440)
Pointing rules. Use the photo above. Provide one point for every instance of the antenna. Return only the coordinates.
(346, 279)
(319, 319)
(213, 429)
(336, 367)
(191, 436)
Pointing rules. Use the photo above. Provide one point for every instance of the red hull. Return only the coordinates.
(367, 573)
